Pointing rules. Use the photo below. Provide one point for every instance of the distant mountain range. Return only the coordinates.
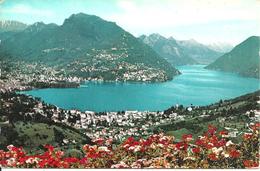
(180, 52)
(169, 49)
(220, 47)
(242, 59)
(86, 46)
(90, 47)
(9, 25)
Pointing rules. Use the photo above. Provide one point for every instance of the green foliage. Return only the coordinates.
(73, 153)
(80, 38)
(243, 59)
(58, 135)
(233, 111)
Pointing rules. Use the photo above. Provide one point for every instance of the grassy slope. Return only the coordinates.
(243, 59)
(32, 136)
(196, 125)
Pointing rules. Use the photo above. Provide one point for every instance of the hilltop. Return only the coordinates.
(10, 25)
(243, 59)
(87, 46)
(180, 52)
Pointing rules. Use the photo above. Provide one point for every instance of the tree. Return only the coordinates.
(58, 135)
(61, 116)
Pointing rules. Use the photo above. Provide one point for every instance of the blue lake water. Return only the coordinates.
(195, 86)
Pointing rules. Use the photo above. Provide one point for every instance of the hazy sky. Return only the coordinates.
(206, 21)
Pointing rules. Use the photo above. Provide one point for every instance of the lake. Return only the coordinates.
(196, 85)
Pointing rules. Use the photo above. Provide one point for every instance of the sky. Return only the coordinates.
(207, 21)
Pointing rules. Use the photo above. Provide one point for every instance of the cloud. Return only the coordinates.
(24, 9)
(230, 20)
(136, 14)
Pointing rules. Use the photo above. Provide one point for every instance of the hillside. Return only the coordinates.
(9, 28)
(180, 52)
(88, 46)
(233, 114)
(214, 149)
(199, 52)
(22, 125)
(221, 135)
(168, 49)
(243, 59)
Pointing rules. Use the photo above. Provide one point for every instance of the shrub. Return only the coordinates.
(211, 150)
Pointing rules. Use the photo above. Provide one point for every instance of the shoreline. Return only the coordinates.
(94, 123)
(78, 82)
(136, 110)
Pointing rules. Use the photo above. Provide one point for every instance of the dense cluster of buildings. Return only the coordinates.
(107, 62)
(116, 125)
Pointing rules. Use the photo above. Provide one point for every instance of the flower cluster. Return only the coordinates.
(211, 150)
(51, 158)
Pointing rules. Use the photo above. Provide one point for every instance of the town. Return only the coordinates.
(18, 76)
(120, 125)
(106, 65)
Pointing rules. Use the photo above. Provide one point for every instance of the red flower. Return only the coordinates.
(182, 146)
(93, 155)
(143, 149)
(71, 160)
(134, 143)
(247, 136)
(221, 143)
(234, 154)
(214, 140)
(86, 147)
(247, 163)
(224, 132)
(250, 163)
(211, 130)
(199, 142)
(108, 155)
(83, 161)
(109, 141)
(187, 137)
(3, 162)
(256, 126)
(130, 139)
(42, 163)
(147, 142)
(196, 150)
(99, 141)
(59, 154)
(212, 156)
(64, 165)
(209, 146)
(49, 147)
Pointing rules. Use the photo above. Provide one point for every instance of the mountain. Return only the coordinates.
(180, 52)
(87, 46)
(242, 59)
(10, 25)
(169, 49)
(220, 47)
(199, 52)
(9, 28)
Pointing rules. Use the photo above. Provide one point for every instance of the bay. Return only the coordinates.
(196, 86)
